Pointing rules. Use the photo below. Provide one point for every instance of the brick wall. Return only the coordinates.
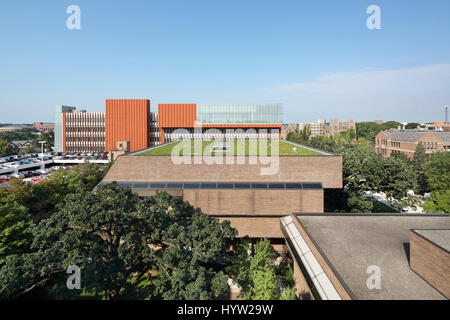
(324, 169)
(431, 262)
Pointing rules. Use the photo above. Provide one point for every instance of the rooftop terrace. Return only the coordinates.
(233, 148)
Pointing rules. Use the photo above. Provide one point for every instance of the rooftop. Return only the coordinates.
(235, 148)
(412, 135)
(353, 242)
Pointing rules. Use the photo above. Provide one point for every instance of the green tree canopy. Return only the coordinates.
(437, 173)
(4, 148)
(113, 235)
(15, 237)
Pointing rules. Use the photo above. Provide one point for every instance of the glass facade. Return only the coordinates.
(59, 110)
(267, 113)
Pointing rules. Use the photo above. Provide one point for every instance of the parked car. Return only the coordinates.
(17, 175)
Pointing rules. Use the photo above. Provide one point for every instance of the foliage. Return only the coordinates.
(348, 135)
(4, 148)
(412, 125)
(15, 237)
(364, 170)
(257, 276)
(17, 135)
(418, 163)
(368, 130)
(439, 202)
(113, 236)
(437, 172)
(27, 150)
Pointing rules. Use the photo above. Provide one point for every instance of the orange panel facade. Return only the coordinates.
(128, 120)
(177, 115)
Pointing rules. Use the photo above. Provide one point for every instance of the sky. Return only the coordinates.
(318, 58)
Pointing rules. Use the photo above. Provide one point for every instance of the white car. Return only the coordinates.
(17, 175)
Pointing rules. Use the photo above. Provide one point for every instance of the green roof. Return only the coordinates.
(228, 148)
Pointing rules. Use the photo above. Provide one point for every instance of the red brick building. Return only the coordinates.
(405, 141)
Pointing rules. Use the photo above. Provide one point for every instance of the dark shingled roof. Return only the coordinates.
(414, 135)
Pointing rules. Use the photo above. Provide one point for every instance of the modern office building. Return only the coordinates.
(60, 110)
(128, 120)
(78, 130)
(131, 121)
(230, 121)
(83, 131)
(405, 141)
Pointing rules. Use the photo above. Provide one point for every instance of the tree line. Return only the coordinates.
(365, 170)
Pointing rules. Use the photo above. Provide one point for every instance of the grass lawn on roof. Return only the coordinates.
(233, 148)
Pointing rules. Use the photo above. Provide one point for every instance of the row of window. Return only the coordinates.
(223, 185)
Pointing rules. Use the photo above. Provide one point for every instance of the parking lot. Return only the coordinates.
(33, 168)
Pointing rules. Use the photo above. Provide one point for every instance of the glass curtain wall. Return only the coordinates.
(270, 113)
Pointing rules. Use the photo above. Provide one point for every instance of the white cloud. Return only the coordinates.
(409, 94)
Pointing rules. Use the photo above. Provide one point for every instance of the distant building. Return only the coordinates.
(405, 141)
(16, 146)
(130, 121)
(78, 130)
(379, 122)
(328, 129)
(43, 126)
(18, 127)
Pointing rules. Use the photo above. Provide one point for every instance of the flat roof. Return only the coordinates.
(286, 148)
(438, 237)
(353, 242)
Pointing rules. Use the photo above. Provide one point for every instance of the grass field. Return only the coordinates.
(233, 148)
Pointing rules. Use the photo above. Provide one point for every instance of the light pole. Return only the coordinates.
(42, 154)
(42, 146)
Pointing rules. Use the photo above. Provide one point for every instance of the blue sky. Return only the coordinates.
(316, 57)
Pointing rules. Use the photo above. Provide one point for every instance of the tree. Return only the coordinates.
(257, 276)
(113, 236)
(412, 125)
(437, 172)
(15, 237)
(27, 150)
(418, 162)
(306, 133)
(397, 178)
(4, 148)
(368, 130)
(348, 135)
(439, 202)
